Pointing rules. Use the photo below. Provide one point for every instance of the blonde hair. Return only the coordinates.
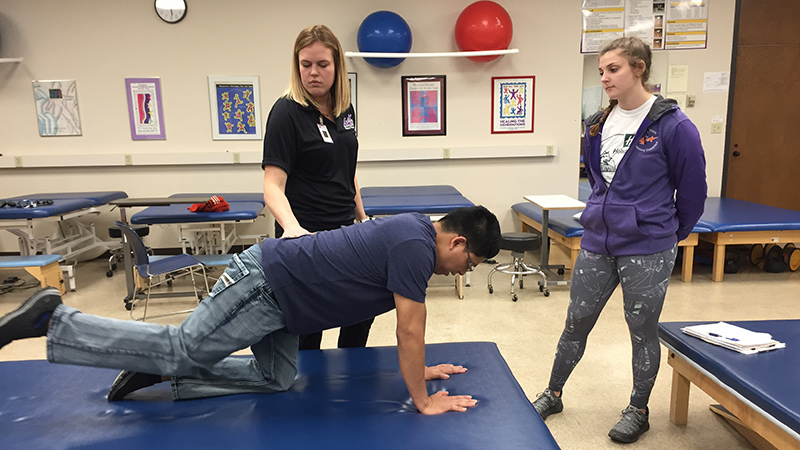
(340, 91)
(636, 51)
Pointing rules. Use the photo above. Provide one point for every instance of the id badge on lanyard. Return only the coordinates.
(323, 131)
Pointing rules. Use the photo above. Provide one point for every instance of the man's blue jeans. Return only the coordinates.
(240, 312)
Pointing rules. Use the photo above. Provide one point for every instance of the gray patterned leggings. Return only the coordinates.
(644, 281)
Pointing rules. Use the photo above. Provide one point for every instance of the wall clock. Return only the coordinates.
(171, 11)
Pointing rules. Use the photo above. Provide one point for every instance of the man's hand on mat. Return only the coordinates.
(442, 371)
(442, 402)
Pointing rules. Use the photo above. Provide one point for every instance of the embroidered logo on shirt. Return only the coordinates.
(348, 123)
(648, 142)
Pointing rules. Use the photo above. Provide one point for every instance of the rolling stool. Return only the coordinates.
(116, 254)
(519, 243)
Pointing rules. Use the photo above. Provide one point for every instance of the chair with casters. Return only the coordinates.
(117, 256)
(155, 271)
(519, 243)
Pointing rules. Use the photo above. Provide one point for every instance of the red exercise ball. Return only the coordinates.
(483, 25)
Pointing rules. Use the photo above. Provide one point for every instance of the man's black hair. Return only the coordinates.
(478, 225)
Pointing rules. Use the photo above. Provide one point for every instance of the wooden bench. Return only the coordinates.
(44, 268)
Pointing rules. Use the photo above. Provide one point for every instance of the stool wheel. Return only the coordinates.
(793, 259)
(491, 289)
(546, 292)
(110, 273)
(514, 297)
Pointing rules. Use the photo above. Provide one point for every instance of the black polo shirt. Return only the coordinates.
(319, 183)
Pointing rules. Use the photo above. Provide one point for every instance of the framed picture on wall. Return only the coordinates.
(144, 108)
(235, 107)
(352, 77)
(424, 111)
(57, 107)
(512, 104)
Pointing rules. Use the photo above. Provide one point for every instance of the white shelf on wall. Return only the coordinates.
(17, 162)
(10, 60)
(430, 55)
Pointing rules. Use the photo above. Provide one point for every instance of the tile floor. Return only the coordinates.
(526, 333)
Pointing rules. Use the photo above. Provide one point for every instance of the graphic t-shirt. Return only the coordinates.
(618, 133)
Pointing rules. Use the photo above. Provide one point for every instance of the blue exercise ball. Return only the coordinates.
(384, 32)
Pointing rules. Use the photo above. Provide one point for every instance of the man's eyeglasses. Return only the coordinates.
(470, 266)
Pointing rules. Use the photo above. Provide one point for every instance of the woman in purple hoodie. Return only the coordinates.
(646, 166)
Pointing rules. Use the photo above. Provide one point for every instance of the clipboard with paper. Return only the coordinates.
(734, 337)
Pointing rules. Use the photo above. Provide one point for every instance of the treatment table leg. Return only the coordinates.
(679, 396)
(719, 262)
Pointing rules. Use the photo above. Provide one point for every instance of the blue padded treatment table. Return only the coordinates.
(349, 398)
(734, 222)
(724, 215)
(63, 203)
(423, 204)
(179, 213)
(96, 197)
(58, 208)
(384, 191)
(229, 197)
(218, 234)
(433, 199)
(761, 390)
(567, 230)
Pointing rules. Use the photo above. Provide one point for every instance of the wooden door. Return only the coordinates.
(762, 161)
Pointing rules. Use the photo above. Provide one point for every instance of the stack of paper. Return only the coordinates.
(735, 338)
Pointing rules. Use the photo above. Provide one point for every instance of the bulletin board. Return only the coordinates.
(664, 25)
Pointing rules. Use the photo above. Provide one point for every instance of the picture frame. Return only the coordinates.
(513, 104)
(235, 108)
(145, 108)
(424, 105)
(57, 107)
(352, 77)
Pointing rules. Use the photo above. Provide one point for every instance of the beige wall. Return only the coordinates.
(99, 43)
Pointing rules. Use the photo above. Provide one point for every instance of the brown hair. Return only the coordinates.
(636, 51)
(340, 91)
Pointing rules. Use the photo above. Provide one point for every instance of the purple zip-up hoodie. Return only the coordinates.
(658, 191)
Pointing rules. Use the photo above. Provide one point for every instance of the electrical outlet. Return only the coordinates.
(550, 150)
(716, 128)
(128, 160)
(236, 158)
(446, 153)
(18, 161)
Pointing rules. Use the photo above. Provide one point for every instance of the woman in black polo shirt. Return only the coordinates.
(310, 152)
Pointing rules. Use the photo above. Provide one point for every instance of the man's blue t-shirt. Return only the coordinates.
(345, 276)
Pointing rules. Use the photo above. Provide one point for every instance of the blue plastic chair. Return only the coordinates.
(154, 269)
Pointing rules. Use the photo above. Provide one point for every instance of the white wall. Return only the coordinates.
(99, 43)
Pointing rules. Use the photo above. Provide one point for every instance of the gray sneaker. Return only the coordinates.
(633, 423)
(547, 403)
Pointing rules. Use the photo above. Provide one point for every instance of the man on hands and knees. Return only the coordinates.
(261, 302)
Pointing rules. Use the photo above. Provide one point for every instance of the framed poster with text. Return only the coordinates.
(512, 104)
(144, 108)
(235, 107)
(424, 105)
